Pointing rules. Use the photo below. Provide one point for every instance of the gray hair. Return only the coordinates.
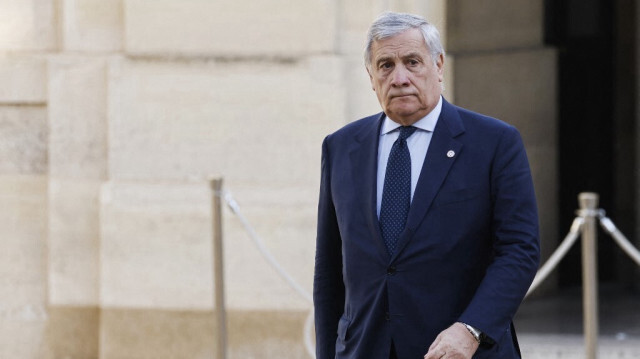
(391, 24)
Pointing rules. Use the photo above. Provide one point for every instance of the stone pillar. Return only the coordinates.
(503, 69)
(27, 28)
(78, 164)
(77, 109)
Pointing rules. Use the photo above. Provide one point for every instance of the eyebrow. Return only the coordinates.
(409, 55)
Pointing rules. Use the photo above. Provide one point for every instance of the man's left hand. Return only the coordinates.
(454, 342)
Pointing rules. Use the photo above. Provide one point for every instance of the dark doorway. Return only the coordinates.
(596, 121)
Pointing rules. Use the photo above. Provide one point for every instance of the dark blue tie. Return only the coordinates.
(396, 193)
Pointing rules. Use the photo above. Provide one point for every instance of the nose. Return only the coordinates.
(400, 77)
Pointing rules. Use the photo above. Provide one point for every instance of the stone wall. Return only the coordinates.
(26, 36)
(114, 113)
(504, 70)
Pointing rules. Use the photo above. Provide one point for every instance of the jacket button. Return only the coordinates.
(391, 270)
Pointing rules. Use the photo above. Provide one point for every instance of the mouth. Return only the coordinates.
(401, 95)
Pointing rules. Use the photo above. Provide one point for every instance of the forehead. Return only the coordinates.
(411, 40)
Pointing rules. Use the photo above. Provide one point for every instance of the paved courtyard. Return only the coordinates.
(551, 327)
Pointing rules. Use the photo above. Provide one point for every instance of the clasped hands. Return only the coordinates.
(454, 342)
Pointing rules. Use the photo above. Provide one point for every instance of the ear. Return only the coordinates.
(440, 67)
(371, 79)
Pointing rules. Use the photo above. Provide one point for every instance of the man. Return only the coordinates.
(427, 226)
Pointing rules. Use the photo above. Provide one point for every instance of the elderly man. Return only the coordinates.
(427, 223)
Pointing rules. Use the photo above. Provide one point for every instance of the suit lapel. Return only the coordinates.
(442, 153)
(364, 160)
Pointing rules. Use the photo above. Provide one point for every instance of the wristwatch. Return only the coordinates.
(475, 332)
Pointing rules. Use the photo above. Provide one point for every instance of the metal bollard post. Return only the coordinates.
(218, 274)
(588, 208)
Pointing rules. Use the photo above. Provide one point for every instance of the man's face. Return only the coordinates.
(404, 77)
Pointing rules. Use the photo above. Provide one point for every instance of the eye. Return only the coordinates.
(386, 65)
(414, 62)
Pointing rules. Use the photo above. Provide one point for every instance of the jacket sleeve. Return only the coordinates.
(328, 286)
(516, 248)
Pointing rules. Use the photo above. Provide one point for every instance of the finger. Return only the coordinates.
(430, 355)
(434, 353)
(435, 343)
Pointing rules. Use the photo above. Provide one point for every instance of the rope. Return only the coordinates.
(542, 274)
(619, 238)
(606, 223)
(262, 248)
(557, 256)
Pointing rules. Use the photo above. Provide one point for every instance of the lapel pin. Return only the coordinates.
(451, 153)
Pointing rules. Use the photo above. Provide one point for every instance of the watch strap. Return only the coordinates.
(475, 332)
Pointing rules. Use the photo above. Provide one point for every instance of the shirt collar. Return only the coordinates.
(427, 123)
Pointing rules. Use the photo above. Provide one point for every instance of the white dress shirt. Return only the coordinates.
(418, 144)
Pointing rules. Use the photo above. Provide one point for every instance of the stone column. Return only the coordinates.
(503, 69)
(89, 32)
(27, 29)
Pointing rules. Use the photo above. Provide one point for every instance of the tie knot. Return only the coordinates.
(406, 131)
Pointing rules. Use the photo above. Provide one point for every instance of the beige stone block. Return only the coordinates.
(174, 269)
(156, 334)
(92, 25)
(176, 120)
(77, 117)
(149, 334)
(23, 140)
(285, 222)
(74, 241)
(23, 219)
(23, 79)
(354, 18)
(22, 266)
(251, 122)
(502, 24)
(23, 338)
(155, 249)
(516, 87)
(266, 334)
(362, 100)
(400, 5)
(73, 332)
(28, 25)
(435, 11)
(279, 28)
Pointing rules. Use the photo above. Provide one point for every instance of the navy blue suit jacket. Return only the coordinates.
(469, 251)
